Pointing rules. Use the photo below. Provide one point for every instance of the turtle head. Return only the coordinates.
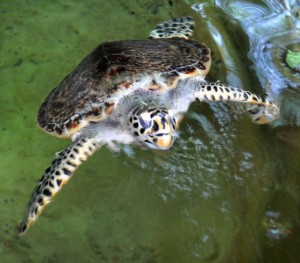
(156, 127)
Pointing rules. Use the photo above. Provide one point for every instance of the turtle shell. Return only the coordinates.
(82, 96)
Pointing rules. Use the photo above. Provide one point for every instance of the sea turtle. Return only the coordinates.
(130, 91)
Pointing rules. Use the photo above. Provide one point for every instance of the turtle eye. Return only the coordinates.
(145, 123)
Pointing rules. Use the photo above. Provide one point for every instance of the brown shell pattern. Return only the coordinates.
(81, 96)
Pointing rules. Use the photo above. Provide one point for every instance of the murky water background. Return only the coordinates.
(228, 191)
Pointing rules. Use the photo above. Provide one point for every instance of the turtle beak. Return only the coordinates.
(165, 141)
(162, 141)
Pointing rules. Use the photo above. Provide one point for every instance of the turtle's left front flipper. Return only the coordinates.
(56, 176)
(261, 111)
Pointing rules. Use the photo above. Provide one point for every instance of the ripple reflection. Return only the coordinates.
(273, 28)
(217, 169)
(209, 153)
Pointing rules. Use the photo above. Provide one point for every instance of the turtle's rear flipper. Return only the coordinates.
(182, 27)
(56, 176)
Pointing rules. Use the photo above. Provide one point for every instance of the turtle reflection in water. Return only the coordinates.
(130, 91)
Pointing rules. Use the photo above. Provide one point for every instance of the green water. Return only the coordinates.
(228, 191)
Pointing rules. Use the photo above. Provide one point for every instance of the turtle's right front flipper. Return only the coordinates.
(261, 111)
(56, 176)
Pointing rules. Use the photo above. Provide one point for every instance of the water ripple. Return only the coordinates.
(272, 30)
(208, 154)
